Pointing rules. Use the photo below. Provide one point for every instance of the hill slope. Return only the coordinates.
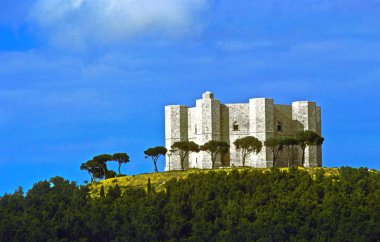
(158, 180)
(220, 205)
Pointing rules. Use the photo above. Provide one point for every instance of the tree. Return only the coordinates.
(101, 161)
(149, 186)
(121, 158)
(184, 148)
(96, 168)
(110, 174)
(289, 142)
(155, 153)
(275, 145)
(85, 167)
(247, 145)
(214, 148)
(308, 138)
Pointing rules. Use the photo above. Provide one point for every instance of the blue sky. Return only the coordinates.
(84, 77)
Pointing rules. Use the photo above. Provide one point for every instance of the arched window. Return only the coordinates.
(279, 126)
(235, 126)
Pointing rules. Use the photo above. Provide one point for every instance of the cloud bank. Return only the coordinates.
(77, 22)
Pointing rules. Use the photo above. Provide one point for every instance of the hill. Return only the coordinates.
(158, 180)
(214, 205)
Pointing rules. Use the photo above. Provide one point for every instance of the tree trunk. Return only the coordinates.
(92, 177)
(119, 167)
(155, 165)
(303, 156)
(288, 148)
(213, 158)
(274, 157)
(182, 161)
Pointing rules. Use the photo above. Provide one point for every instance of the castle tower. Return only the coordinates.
(261, 118)
(308, 117)
(207, 123)
(176, 123)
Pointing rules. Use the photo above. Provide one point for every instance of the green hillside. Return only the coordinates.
(159, 179)
(241, 204)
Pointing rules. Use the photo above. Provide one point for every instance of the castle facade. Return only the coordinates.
(260, 117)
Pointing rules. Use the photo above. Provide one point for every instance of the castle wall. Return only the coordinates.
(208, 123)
(319, 131)
(225, 132)
(261, 118)
(176, 129)
(261, 113)
(283, 127)
(194, 134)
(306, 114)
(238, 115)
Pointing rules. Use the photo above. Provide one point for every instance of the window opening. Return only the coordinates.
(235, 126)
(279, 126)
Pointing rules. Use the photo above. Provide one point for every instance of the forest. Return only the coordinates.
(248, 205)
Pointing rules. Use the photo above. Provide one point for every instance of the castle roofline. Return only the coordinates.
(208, 95)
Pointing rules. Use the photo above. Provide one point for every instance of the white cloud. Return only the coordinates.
(76, 22)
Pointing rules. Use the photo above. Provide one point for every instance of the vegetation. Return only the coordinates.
(247, 145)
(120, 158)
(155, 153)
(215, 148)
(214, 205)
(100, 161)
(97, 167)
(275, 145)
(289, 143)
(308, 138)
(184, 148)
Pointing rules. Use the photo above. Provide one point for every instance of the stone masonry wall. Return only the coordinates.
(261, 118)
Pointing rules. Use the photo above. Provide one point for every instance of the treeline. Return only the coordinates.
(97, 166)
(248, 145)
(248, 205)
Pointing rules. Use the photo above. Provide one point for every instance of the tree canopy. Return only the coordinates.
(247, 145)
(215, 148)
(289, 142)
(155, 153)
(275, 144)
(308, 138)
(120, 158)
(245, 205)
(183, 149)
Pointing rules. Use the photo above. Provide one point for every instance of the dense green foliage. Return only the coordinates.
(249, 205)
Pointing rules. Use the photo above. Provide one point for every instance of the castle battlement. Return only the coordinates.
(260, 117)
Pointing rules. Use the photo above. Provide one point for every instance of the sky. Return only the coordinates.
(80, 78)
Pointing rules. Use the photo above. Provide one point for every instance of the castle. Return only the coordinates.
(261, 118)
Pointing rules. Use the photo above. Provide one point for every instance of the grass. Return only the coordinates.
(159, 179)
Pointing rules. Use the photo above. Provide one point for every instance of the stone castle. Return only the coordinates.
(260, 117)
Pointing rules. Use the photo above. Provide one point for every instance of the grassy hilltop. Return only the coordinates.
(158, 180)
